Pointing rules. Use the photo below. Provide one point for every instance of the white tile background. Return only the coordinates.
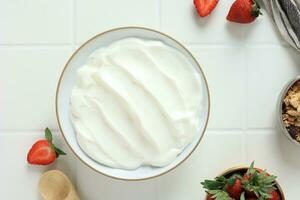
(246, 67)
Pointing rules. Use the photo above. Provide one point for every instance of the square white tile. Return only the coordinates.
(95, 16)
(225, 72)
(92, 185)
(272, 151)
(209, 160)
(35, 22)
(268, 70)
(28, 81)
(263, 30)
(181, 21)
(21, 179)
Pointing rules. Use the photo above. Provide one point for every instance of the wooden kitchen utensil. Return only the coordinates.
(55, 185)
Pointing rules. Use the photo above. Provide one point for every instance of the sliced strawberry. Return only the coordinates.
(274, 195)
(205, 7)
(234, 190)
(44, 152)
(41, 153)
(244, 11)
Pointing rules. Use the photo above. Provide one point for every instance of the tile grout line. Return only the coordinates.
(245, 114)
(216, 130)
(230, 45)
(159, 6)
(24, 131)
(188, 44)
(33, 46)
(73, 46)
(73, 23)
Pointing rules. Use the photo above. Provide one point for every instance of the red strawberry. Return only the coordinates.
(274, 195)
(235, 190)
(44, 152)
(209, 198)
(246, 176)
(258, 183)
(205, 7)
(244, 11)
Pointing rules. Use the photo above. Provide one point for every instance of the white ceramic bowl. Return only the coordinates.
(67, 82)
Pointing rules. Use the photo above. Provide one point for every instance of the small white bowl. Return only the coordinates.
(67, 82)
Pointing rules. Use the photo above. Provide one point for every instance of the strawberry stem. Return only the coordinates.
(49, 138)
(48, 135)
(256, 9)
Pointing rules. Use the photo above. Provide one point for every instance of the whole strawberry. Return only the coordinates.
(217, 189)
(244, 11)
(274, 195)
(209, 197)
(234, 189)
(258, 183)
(44, 152)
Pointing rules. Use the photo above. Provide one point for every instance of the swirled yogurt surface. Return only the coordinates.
(136, 103)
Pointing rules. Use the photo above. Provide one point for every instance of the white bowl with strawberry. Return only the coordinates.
(243, 183)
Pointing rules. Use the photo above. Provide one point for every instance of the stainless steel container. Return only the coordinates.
(279, 108)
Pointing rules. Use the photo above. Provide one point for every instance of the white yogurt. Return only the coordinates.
(136, 102)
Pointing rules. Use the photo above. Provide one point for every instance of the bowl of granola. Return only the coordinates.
(289, 110)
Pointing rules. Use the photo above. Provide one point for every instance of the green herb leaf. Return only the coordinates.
(48, 135)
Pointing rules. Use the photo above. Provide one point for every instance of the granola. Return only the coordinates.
(291, 111)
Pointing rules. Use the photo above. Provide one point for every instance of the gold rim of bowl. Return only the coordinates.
(112, 30)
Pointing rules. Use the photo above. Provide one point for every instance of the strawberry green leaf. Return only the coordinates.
(255, 2)
(212, 185)
(237, 176)
(48, 135)
(231, 181)
(220, 195)
(259, 182)
(243, 196)
(256, 9)
(251, 170)
(222, 179)
(59, 151)
(217, 184)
